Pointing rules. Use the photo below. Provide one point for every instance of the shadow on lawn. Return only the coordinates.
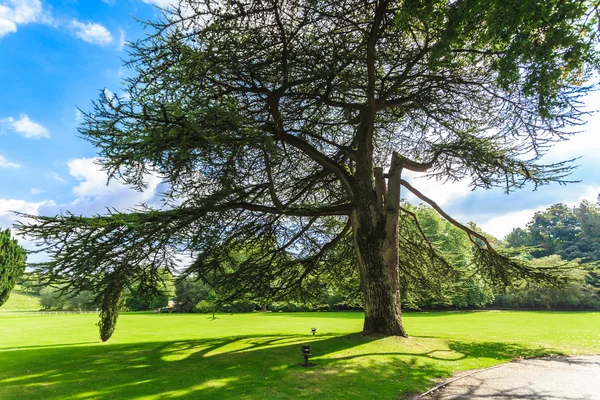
(253, 367)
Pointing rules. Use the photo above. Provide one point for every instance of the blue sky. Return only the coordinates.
(58, 55)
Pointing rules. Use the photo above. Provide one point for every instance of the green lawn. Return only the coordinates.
(256, 356)
(20, 300)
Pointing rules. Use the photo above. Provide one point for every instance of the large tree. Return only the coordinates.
(299, 120)
(12, 264)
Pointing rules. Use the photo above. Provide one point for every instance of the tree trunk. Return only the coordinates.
(380, 284)
(375, 224)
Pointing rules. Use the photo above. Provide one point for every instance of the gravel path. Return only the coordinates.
(556, 378)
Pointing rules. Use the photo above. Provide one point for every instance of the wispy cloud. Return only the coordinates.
(4, 163)
(36, 190)
(161, 3)
(78, 116)
(20, 12)
(92, 32)
(94, 194)
(55, 176)
(122, 40)
(27, 128)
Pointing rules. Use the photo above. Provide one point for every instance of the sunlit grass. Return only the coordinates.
(256, 356)
(20, 300)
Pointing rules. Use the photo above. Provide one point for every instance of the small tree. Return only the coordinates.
(111, 298)
(12, 264)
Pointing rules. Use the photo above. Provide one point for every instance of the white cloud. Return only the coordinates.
(26, 127)
(94, 192)
(441, 193)
(92, 32)
(8, 218)
(78, 116)
(20, 12)
(122, 40)
(4, 163)
(93, 197)
(92, 178)
(7, 206)
(501, 225)
(36, 190)
(161, 3)
(585, 144)
(109, 95)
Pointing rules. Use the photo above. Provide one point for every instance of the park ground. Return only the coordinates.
(256, 356)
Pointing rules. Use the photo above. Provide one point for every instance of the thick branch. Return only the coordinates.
(272, 192)
(321, 159)
(380, 188)
(413, 165)
(342, 209)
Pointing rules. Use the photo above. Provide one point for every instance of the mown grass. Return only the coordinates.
(20, 300)
(256, 356)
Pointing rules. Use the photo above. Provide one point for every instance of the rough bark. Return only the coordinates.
(378, 265)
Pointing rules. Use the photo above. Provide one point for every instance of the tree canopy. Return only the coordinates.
(287, 126)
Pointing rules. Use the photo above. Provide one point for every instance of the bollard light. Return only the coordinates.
(305, 354)
(313, 330)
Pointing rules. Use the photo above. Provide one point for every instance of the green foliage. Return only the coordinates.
(12, 264)
(141, 297)
(577, 295)
(205, 307)
(189, 292)
(51, 299)
(31, 282)
(112, 300)
(455, 280)
(532, 40)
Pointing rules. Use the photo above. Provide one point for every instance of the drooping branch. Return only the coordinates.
(471, 233)
(497, 267)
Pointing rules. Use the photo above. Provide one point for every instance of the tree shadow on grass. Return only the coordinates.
(351, 314)
(252, 367)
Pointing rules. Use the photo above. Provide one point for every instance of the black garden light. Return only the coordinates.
(306, 354)
(313, 330)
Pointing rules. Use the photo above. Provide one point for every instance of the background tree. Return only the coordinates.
(571, 233)
(577, 295)
(276, 117)
(456, 283)
(140, 297)
(12, 264)
(189, 292)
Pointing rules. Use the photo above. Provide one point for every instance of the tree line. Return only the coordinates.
(461, 286)
(558, 237)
